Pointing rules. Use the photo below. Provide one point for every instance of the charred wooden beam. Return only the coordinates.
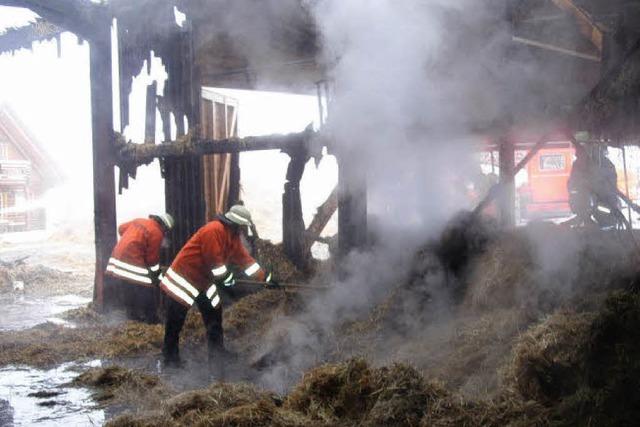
(23, 37)
(321, 219)
(586, 24)
(507, 197)
(293, 230)
(81, 17)
(150, 116)
(188, 145)
(352, 204)
(103, 158)
(554, 48)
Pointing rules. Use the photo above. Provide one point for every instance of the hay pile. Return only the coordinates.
(502, 275)
(351, 393)
(273, 258)
(467, 357)
(585, 367)
(530, 343)
(86, 315)
(116, 384)
(249, 319)
(36, 278)
(354, 393)
(99, 336)
(545, 358)
(518, 280)
(220, 404)
(542, 266)
(95, 337)
(49, 344)
(464, 238)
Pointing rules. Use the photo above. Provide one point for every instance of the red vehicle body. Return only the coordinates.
(546, 195)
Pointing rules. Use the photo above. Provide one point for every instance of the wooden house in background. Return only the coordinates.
(26, 172)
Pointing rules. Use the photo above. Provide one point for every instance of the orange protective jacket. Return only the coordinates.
(203, 260)
(136, 257)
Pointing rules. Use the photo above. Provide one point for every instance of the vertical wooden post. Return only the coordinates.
(626, 182)
(150, 119)
(352, 205)
(234, 175)
(184, 193)
(104, 192)
(293, 230)
(507, 200)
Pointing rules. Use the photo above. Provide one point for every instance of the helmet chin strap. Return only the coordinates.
(226, 221)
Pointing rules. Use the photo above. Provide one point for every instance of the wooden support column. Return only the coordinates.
(104, 192)
(184, 192)
(352, 205)
(507, 198)
(150, 119)
(234, 174)
(293, 230)
(234, 180)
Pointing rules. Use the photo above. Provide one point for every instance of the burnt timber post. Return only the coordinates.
(150, 119)
(293, 230)
(104, 192)
(352, 205)
(507, 198)
(184, 194)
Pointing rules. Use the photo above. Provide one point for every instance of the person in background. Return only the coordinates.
(592, 188)
(134, 267)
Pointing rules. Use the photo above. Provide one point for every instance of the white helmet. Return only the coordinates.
(238, 214)
(167, 220)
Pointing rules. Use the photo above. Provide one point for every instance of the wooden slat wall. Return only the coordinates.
(220, 171)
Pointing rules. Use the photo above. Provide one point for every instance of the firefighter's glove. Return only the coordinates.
(228, 280)
(156, 277)
(270, 282)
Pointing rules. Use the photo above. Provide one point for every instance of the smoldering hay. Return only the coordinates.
(485, 365)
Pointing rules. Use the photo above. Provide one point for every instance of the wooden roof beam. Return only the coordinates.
(23, 37)
(554, 48)
(139, 154)
(81, 17)
(586, 24)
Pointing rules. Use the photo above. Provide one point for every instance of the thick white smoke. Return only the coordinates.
(402, 103)
(404, 124)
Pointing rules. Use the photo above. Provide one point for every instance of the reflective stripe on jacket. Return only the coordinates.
(136, 256)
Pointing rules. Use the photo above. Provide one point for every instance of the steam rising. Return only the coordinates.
(401, 120)
(416, 84)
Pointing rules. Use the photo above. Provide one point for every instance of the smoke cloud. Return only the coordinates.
(404, 117)
(417, 87)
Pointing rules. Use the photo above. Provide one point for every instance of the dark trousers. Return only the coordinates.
(176, 315)
(139, 302)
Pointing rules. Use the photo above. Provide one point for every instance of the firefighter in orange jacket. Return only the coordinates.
(134, 264)
(198, 274)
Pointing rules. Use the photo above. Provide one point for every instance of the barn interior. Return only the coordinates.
(438, 304)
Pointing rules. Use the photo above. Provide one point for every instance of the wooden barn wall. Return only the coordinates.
(221, 172)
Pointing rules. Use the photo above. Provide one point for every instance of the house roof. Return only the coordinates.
(18, 134)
